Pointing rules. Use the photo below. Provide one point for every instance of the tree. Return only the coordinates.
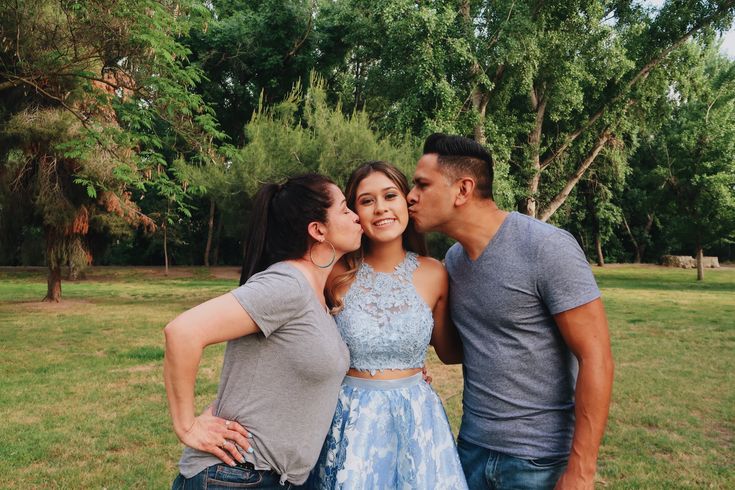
(92, 93)
(548, 86)
(696, 156)
(252, 49)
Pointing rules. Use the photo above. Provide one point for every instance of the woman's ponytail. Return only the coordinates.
(281, 216)
(254, 256)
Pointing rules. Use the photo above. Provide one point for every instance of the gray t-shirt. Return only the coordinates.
(519, 374)
(281, 384)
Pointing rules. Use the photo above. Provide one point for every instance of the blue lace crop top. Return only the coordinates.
(384, 322)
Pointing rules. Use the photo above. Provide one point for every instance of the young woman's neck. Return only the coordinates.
(385, 256)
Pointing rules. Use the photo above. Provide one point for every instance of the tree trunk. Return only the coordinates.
(561, 197)
(217, 235)
(210, 233)
(700, 263)
(165, 246)
(480, 100)
(53, 293)
(598, 247)
(636, 245)
(538, 102)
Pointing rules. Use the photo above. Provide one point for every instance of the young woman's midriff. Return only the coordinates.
(384, 374)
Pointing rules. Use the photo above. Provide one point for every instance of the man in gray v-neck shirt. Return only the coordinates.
(537, 360)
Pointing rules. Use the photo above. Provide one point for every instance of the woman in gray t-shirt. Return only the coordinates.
(284, 360)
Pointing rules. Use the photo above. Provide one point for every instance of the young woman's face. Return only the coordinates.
(382, 208)
(343, 228)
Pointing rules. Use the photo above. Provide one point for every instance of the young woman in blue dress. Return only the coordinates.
(389, 430)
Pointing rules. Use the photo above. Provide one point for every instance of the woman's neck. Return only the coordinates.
(317, 277)
(385, 256)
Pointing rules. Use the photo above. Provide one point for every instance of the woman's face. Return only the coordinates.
(343, 228)
(382, 208)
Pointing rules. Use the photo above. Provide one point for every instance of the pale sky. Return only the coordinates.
(728, 43)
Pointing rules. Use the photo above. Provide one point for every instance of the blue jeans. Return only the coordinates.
(486, 469)
(222, 476)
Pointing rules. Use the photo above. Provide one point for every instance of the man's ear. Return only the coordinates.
(316, 231)
(465, 190)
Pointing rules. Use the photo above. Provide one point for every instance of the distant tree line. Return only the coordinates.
(136, 132)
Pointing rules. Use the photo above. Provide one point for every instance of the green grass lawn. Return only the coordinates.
(82, 403)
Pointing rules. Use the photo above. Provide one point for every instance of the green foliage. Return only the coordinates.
(304, 133)
(100, 101)
(696, 154)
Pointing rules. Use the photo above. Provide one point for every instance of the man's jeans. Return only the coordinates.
(222, 476)
(490, 470)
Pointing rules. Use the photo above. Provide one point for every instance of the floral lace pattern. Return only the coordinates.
(385, 323)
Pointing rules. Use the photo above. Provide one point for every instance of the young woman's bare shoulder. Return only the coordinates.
(432, 267)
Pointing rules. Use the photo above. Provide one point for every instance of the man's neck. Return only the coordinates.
(475, 225)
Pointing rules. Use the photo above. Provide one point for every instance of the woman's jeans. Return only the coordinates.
(222, 476)
(486, 469)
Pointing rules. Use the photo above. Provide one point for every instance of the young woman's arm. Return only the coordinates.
(444, 337)
(217, 320)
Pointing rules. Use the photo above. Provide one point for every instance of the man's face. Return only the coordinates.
(431, 201)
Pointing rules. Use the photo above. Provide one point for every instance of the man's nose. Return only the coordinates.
(410, 198)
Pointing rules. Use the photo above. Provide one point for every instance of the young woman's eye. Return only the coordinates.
(366, 202)
(392, 195)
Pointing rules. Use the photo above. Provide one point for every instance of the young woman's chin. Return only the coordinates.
(386, 237)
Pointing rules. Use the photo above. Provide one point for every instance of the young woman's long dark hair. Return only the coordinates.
(413, 241)
(281, 214)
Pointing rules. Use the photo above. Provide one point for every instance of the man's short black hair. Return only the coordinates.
(461, 156)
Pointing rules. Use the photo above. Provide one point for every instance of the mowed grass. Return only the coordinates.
(82, 402)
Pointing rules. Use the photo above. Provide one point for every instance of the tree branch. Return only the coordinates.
(572, 181)
(642, 73)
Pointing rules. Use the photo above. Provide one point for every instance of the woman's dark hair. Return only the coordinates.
(459, 156)
(412, 240)
(281, 215)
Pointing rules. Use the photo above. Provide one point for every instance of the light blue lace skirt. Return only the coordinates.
(388, 434)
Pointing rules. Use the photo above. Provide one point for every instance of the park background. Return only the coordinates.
(133, 135)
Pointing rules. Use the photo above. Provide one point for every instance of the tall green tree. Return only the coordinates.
(250, 49)
(97, 100)
(550, 87)
(695, 157)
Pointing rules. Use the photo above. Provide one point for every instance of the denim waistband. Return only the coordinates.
(383, 384)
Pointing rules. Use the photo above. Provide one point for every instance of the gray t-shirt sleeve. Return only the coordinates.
(272, 298)
(564, 277)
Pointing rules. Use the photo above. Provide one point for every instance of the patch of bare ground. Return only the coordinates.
(49, 306)
(111, 273)
(225, 272)
(141, 368)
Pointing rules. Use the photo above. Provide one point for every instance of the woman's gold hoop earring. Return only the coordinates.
(329, 264)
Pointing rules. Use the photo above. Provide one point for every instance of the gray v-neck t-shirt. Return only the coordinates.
(281, 384)
(519, 374)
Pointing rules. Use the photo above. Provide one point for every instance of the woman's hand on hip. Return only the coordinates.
(219, 437)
